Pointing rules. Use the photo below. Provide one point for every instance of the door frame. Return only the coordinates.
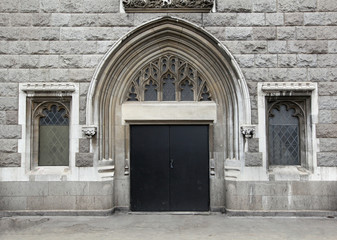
(211, 167)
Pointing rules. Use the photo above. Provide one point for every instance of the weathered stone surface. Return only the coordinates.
(327, 103)
(101, 6)
(277, 47)
(242, 33)
(235, 6)
(275, 19)
(293, 6)
(84, 145)
(293, 19)
(286, 33)
(60, 19)
(308, 46)
(49, 61)
(20, 19)
(264, 5)
(49, 5)
(71, 6)
(326, 5)
(327, 159)
(307, 60)
(247, 47)
(29, 5)
(9, 5)
(219, 19)
(327, 116)
(9, 90)
(10, 131)
(317, 74)
(327, 32)
(10, 159)
(253, 145)
(287, 60)
(326, 60)
(256, 75)
(251, 19)
(327, 88)
(71, 61)
(116, 19)
(8, 103)
(253, 159)
(306, 33)
(246, 60)
(287, 74)
(8, 145)
(12, 118)
(326, 130)
(328, 145)
(264, 33)
(218, 32)
(266, 60)
(84, 159)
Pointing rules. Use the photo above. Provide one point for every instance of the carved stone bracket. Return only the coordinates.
(168, 5)
(248, 131)
(89, 131)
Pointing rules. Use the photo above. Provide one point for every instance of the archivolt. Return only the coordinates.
(168, 35)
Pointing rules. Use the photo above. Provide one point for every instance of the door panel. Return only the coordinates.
(189, 179)
(169, 168)
(149, 174)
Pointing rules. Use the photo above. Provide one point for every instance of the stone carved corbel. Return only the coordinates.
(248, 131)
(89, 131)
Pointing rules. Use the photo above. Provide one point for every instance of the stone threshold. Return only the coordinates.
(283, 213)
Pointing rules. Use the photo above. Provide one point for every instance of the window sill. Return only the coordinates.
(49, 173)
(288, 173)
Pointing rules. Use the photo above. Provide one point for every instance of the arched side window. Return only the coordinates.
(286, 132)
(50, 133)
(168, 78)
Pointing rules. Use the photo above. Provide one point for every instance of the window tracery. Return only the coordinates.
(168, 78)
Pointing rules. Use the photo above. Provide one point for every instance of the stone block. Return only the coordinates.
(18, 47)
(327, 116)
(41, 19)
(60, 19)
(84, 159)
(68, 188)
(59, 203)
(253, 145)
(9, 90)
(141, 18)
(113, 19)
(277, 47)
(327, 32)
(219, 19)
(59, 75)
(101, 188)
(71, 6)
(10, 159)
(9, 6)
(326, 130)
(83, 103)
(317, 75)
(49, 34)
(70, 61)
(327, 88)
(256, 74)
(253, 159)
(4, 75)
(332, 46)
(287, 60)
(13, 203)
(8, 145)
(8, 103)
(327, 103)
(234, 5)
(196, 18)
(29, 61)
(84, 89)
(264, 33)
(12, 117)
(91, 61)
(84, 145)
(9, 34)
(293, 19)
(293, 6)
(4, 47)
(10, 132)
(328, 145)
(331, 18)
(84, 20)
(39, 47)
(286, 33)
(326, 5)
(264, 6)
(287, 74)
(39, 75)
(326, 60)
(49, 61)
(251, 19)
(18, 75)
(307, 60)
(242, 33)
(105, 33)
(306, 33)
(274, 19)
(7, 61)
(307, 47)
(315, 19)
(245, 60)
(20, 19)
(327, 159)
(100, 6)
(266, 60)
(72, 34)
(2, 118)
(49, 5)
(80, 75)
(218, 32)
(332, 74)
(29, 6)
(82, 117)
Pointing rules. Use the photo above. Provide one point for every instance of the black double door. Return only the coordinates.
(169, 168)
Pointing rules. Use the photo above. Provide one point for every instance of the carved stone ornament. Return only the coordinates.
(89, 131)
(168, 5)
(248, 131)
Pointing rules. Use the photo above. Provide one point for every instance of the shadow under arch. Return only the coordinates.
(167, 35)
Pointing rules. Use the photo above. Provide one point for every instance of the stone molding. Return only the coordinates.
(168, 5)
(66, 87)
(248, 131)
(89, 131)
(288, 86)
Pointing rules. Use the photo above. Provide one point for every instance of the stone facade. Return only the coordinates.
(59, 42)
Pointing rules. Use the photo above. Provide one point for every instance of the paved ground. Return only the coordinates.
(126, 226)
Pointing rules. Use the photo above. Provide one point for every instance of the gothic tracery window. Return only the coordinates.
(168, 78)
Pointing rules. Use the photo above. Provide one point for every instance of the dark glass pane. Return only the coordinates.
(284, 137)
(150, 92)
(205, 96)
(186, 92)
(133, 94)
(54, 138)
(169, 91)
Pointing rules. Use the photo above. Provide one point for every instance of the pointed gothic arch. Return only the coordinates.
(168, 36)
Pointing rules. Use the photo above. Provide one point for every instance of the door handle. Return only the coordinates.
(171, 163)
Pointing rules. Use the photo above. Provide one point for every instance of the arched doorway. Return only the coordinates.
(123, 94)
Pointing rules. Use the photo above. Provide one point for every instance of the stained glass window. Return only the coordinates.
(53, 137)
(169, 90)
(186, 92)
(284, 137)
(150, 93)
